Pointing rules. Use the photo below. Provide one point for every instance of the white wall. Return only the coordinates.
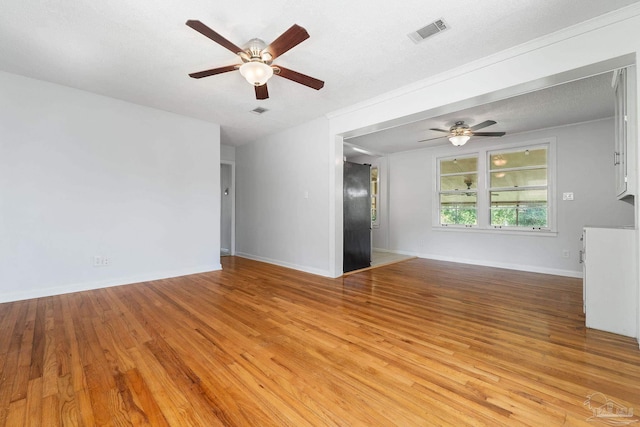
(227, 152)
(584, 167)
(84, 175)
(282, 198)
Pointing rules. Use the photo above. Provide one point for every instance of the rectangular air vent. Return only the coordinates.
(259, 110)
(428, 31)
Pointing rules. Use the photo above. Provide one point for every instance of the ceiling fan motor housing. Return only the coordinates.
(460, 129)
(256, 50)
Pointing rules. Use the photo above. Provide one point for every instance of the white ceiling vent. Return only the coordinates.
(259, 110)
(428, 31)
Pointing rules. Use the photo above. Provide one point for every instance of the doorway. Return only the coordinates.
(227, 208)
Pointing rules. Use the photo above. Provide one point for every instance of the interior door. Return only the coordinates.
(357, 216)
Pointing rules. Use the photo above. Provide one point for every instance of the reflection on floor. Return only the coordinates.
(381, 258)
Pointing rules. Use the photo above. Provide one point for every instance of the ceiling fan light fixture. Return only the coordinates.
(499, 161)
(459, 140)
(256, 73)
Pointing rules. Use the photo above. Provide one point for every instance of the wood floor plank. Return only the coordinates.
(151, 413)
(17, 413)
(34, 402)
(24, 350)
(417, 343)
(50, 411)
(68, 411)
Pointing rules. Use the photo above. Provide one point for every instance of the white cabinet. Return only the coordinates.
(624, 86)
(610, 291)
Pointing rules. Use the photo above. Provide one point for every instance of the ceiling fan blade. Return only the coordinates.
(431, 139)
(489, 133)
(262, 92)
(287, 40)
(213, 71)
(301, 78)
(482, 125)
(439, 130)
(208, 32)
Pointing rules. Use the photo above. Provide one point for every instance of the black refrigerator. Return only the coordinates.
(357, 216)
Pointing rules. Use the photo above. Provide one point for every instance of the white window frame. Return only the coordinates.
(483, 200)
(477, 190)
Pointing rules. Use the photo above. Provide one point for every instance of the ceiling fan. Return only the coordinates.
(257, 58)
(460, 132)
(468, 182)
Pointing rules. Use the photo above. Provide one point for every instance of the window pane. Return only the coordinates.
(458, 208)
(458, 182)
(469, 164)
(519, 215)
(519, 178)
(519, 159)
(519, 208)
(519, 196)
(458, 216)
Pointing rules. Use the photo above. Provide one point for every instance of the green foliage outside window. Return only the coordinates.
(456, 215)
(519, 216)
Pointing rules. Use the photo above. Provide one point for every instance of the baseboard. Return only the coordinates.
(303, 268)
(87, 286)
(508, 266)
(484, 263)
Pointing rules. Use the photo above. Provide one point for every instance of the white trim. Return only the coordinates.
(316, 271)
(232, 250)
(88, 286)
(508, 266)
(483, 263)
(335, 231)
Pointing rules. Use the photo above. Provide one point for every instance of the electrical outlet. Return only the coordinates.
(566, 253)
(567, 196)
(101, 261)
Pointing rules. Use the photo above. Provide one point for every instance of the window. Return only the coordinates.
(518, 188)
(459, 191)
(506, 189)
(375, 186)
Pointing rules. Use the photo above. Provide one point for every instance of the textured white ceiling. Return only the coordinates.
(578, 101)
(142, 51)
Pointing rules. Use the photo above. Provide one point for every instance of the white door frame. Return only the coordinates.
(232, 194)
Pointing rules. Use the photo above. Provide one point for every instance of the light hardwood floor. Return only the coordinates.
(415, 343)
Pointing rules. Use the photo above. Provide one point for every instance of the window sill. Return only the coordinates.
(453, 228)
